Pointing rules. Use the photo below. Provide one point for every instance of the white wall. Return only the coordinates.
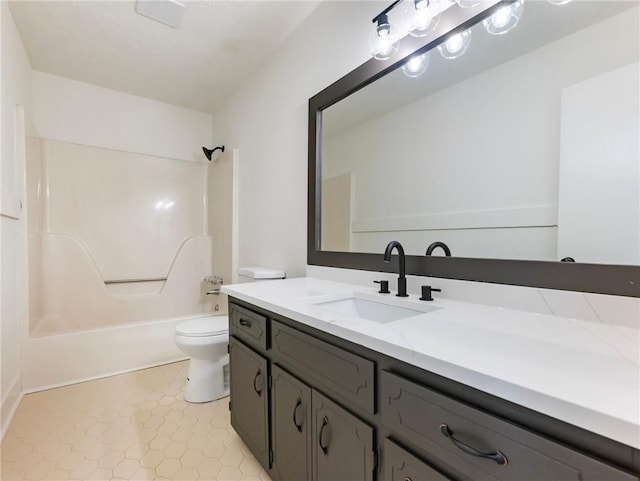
(600, 148)
(267, 121)
(82, 113)
(15, 80)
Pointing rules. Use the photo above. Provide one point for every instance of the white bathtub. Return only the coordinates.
(58, 360)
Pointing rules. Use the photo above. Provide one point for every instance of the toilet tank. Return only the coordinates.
(251, 274)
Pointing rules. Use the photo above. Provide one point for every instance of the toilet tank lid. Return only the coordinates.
(261, 273)
(203, 326)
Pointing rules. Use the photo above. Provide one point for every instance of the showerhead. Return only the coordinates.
(209, 152)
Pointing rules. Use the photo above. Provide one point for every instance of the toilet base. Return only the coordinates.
(207, 380)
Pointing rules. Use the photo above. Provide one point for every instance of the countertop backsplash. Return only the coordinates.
(607, 309)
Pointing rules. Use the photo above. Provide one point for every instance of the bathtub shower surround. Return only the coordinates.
(114, 237)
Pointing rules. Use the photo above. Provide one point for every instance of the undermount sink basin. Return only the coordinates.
(376, 310)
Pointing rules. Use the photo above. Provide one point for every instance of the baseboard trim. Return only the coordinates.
(10, 404)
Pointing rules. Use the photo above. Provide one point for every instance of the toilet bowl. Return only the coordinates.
(205, 341)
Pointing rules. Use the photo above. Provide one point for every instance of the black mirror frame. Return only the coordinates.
(595, 278)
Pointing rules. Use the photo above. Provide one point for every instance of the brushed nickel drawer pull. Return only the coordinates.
(245, 323)
(498, 457)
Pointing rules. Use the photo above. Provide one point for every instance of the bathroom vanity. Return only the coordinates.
(439, 390)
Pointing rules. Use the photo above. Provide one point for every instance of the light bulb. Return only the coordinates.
(422, 17)
(456, 45)
(504, 19)
(383, 30)
(559, 2)
(381, 42)
(501, 17)
(416, 65)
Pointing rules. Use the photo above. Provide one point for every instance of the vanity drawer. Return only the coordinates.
(337, 372)
(452, 431)
(249, 326)
(403, 466)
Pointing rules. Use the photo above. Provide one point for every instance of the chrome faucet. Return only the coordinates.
(402, 280)
(437, 244)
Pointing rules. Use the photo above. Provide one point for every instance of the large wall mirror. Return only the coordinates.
(520, 153)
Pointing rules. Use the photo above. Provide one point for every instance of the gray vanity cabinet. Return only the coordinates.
(403, 466)
(342, 375)
(343, 445)
(249, 398)
(291, 427)
(314, 407)
(478, 445)
(249, 326)
(313, 438)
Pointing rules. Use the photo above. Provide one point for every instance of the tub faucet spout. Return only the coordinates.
(211, 285)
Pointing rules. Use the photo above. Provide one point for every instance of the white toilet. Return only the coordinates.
(205, 341)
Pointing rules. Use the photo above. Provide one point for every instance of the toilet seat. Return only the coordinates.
(204, 326)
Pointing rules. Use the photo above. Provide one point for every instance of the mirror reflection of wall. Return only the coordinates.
(525, 148)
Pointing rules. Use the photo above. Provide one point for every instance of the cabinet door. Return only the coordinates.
(291, 427)
(249, 398)
(402, 466)
(342, 444)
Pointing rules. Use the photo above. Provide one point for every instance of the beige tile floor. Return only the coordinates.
(134, 426)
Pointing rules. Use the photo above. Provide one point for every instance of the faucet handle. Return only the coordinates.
(426, 293)
(384, 287)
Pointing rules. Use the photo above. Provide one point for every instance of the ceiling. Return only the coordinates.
(196, 66)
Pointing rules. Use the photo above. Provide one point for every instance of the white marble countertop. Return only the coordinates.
(584, 373)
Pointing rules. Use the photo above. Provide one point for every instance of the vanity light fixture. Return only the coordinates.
(456, 45)
(381, 42)
(423, 16)
(504, 19)
(416, 65)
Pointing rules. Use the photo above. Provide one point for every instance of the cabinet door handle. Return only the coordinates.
(497, 456)
(324, 446)
(245, 323)
(257, 386)
(295, 415)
